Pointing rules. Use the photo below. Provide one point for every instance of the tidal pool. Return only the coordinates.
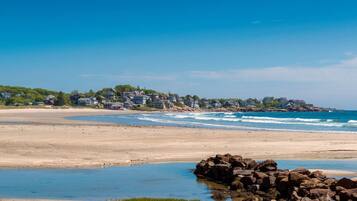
(149, 180)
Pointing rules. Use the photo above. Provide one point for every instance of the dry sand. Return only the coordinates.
(43, 138)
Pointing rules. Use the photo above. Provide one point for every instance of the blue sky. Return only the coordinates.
(298, 49)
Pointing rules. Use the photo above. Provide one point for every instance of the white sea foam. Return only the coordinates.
(230, 116)
(282, 119)
(352, 123)
(267, 120)
(207, 118)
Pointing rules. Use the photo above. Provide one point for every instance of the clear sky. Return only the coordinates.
(298, 49)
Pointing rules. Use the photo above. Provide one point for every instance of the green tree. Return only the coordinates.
(124, 88)
(196, 98)
(60, 99)
(90, 93)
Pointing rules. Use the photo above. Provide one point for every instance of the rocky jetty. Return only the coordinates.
(251, 180)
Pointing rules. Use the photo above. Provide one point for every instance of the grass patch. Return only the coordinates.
(154, 199)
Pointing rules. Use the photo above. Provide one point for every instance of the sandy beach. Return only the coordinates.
(42, 138)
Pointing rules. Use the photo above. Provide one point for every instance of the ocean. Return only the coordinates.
(336, 121)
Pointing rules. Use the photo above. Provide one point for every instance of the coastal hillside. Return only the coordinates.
(130, 97)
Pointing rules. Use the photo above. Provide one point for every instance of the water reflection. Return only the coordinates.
(174, 180)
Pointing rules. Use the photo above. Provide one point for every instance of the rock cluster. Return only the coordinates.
(264, 181)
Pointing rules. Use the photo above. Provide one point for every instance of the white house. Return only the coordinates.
(92, 101)
(140, 100)
(5, 95)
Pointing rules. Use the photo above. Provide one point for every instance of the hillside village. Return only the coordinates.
(124, 97)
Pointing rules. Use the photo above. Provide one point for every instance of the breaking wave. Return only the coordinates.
(263, 121)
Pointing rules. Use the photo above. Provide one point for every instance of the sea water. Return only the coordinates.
(337, 121)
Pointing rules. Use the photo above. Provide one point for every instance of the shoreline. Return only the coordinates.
(43, 138)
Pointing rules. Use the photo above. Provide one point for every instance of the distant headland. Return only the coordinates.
(129, 97)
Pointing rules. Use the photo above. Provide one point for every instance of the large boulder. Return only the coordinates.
(317, 174)
(296, 178)
(248, 180)
(267, 165)
(267, 183)
(348, 194)
(237, 161)
(236, 184)
(321, 193)
(251, 164)
(203, 167)
(222, 159)
(221, 173)
(346, 183)
(283, 186)
(302, 171)
(237, 172)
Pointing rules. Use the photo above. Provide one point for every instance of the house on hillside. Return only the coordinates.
(132, 94)
(204, 103)
(282, 102)
(92, 101)
(215, 104)
(298, 102)
(113, 105)
(173, 98)
(109, 94)
(230, 103)
(5, 95)
(268, 100)
(50, 100)
(190, 102)
(128, 104)
(159, 104)
(38, 103)
(140, 99)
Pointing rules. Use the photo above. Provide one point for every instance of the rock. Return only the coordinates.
(311, 183)
(346, 183)
(320, 192)
(248, 180)
(236, 184)
(268, 182)
(251, 164)
(253, 187)
(201, 168)
(241, 173)
(305, 199)
(295, 196)
(259, 175)
(221, 159)
(330, 182)
(317, 174)
(339, 189)
(219, 196)
(283, 186)
(348, 194)
(237, 161)
(266, 166)
(296, 178)
(302, 171)
(221, 172)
